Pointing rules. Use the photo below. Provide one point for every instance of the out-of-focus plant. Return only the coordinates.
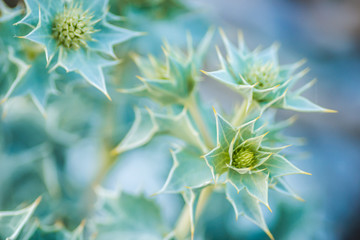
(48, 47)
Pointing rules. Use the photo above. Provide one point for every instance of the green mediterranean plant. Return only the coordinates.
(58, 168)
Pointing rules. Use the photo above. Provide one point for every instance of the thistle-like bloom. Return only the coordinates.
(73, 28)
(173, 80)
(259, 78)
(76, 35)
(246, 166)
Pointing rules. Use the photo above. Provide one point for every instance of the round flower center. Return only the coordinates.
(73, 27)
(243, 158)
(264, 75)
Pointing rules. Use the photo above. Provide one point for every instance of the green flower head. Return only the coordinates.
(76, 36)
(73, 27)
(173, 80)
(261, 80)
(247, 167)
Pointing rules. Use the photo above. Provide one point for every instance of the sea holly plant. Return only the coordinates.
(171, 81)
(73, 153)
(260, 79)
(76, 36)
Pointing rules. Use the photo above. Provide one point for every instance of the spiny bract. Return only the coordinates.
(173, 80)
(76, 36)
(261, 80)
(249, 166)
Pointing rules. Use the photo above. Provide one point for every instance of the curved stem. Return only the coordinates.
(241, 114)
(183, 224)
(192, 105)
(108, 159)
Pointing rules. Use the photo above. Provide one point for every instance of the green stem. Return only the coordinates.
(241, 114)
(108, 159)
(184, 222)
(192, 105)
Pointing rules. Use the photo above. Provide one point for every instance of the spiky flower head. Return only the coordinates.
(262, 75)
(261, 80)
(172, 80)
(247, 167)
(76, 36)
(73, 27)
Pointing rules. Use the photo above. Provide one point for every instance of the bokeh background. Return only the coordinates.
(325, 32)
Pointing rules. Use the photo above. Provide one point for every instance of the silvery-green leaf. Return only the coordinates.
(248, 206)
(171, 81)
(179, 126)
(89, 64)
(88, 60)
(98, 8)
(189, 171)
(125, 216)
(43, 232)
(253, 143)
(36, 81)
(255, 183)
(280, 185)
(278, 165)
(109, 35)
(42, 34)
(8, 78)
(48, 7)
(142, 131)
(258, 76)
(225, 132)
(147, 124)
(13, 222)
(301, 104)
(218, 160)
(236, 57)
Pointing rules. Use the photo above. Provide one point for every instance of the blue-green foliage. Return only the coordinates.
(51, 165)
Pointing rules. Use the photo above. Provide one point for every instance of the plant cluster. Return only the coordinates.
(48, 49)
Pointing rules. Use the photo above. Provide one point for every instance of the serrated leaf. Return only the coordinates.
(148, 124)
(141, 132)
(278, 165)
(189, 171)
(44, 232)
(171, 81)
(35, 81)
(255, 183)
(258, 76)
(125, 216)
(13, 222)
(88, 64)
(248, 206)
(217, 159)
(87, 61)
(301, 104)
(109, 35)
(280, 185)
(225, 132)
